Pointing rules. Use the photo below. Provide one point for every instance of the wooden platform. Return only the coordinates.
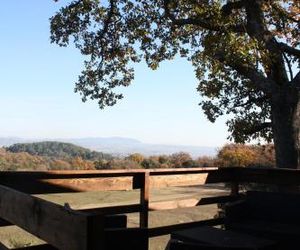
(63, 227)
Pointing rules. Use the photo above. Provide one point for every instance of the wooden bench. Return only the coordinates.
(270, 215)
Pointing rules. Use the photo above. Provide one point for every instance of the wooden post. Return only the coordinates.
(234, 181)
(234, 188)
(95, 232)
(144, 199)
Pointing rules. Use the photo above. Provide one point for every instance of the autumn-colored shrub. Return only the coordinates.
(240, 155)
(206, 162)
(136, 157)
(181, 159)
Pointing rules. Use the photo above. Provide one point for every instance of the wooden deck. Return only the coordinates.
(68, 228)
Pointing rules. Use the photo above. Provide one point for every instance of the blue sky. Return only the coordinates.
(37, 98)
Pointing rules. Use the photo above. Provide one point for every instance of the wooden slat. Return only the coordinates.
(158, 231)
(48, 221)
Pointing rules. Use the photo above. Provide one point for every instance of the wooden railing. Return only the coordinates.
(79, 229)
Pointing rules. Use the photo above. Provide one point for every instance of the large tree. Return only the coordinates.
(245, 54)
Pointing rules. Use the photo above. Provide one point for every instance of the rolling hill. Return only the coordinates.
(56, 149)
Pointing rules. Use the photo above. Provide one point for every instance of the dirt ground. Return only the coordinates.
(13, 236)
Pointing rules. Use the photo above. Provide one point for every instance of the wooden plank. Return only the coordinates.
(164, 230)
(123, 209)
(36, 182)
(166, 205)
(41, 186)
(92, 184)
(69, 174)
(31, 185)
(267, 176)
(52, 223)
(175, 171)
(178, 180)
(191, 202)
(144, 200)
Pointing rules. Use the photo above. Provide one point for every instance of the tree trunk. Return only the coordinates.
(286, 128)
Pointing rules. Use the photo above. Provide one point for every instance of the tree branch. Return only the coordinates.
(205, 24)
(296, 81)
(230, 6)
(290, 50)
(248, 72)
(254, 101)
(257, 29)
(284, 13)
(257, 128)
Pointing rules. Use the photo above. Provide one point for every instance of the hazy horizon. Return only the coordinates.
(38, 101)
(120, 146)
(102, 137)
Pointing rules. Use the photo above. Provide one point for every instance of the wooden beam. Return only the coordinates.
(52, 223)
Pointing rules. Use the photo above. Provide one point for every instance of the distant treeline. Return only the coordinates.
(231, 155)
(60, 150)
(57, 155)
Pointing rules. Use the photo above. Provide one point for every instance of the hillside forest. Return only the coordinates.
(59, 156)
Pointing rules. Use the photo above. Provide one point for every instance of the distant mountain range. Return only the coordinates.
(120, 146)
